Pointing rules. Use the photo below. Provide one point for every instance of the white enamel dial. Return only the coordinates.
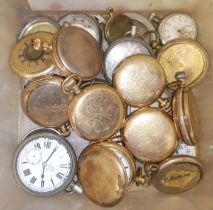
(184, 149)
(125, 163)
(177, 25)
(44, 165)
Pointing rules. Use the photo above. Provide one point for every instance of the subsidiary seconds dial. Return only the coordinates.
(45, 163)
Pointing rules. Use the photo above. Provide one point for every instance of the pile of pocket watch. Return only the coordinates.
(139, 111)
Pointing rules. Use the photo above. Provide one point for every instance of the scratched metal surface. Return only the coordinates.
(12, 197)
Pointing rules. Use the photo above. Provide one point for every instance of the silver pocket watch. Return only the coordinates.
(174, 26)
(45, 164)
(121, 49)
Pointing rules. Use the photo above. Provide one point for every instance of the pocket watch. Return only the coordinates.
(28, 62)
(150, 135)
(174, 26)
(96, 112)
(111, 171)
(184, 55)
(121, 49)
(143, 25)
(45, 163)
(85, 22)
(38, 24)
(184, 149)
(116, 26)
(68, 49)
(177, 174)
(140, 80)
(184, 112)
(44, 102)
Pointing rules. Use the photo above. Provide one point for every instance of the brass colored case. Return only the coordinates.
(97, 112)
(178, 174)
(150, 135)
(140, 80)
(28, 62)
(184, 55)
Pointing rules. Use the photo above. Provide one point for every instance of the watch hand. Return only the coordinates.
(44, 164)
(42, 175)
(54, 150)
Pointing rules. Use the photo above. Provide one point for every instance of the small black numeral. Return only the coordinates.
(64, 165)
(47, 144)
(33, 179)
(27, 172)
(52, 182)
(59, 175)
(37, 146)
(42, 183)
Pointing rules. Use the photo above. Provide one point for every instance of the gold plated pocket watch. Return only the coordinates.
(187, 55)
(28, 62)
(68, 49)
(140, 80)
(184, 112)
(106, 171)
(177, 174)
(97, 112)
(150, 135)
(116, 26)
(44, 102)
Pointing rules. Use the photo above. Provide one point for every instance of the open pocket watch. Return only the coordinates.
(143, 25)
(38, 24)
(85, 22)
(174, 26)
(139, 80)
(176, 174)
(116, 26)
(28, 62)
(45, 164)
(68, 49)
(121, 49)
(106, 171)
(44, 102)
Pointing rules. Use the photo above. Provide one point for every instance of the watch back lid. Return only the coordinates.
(140, 80)
(97, 113)
(78, 52)
(128, 156)
(101, 175)
(44, 102)
(84, 21)
(150, 135)
(28, 62)
(116, 27)
(178, 174)
(185, 117)
(191, 115)
(184, 55)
